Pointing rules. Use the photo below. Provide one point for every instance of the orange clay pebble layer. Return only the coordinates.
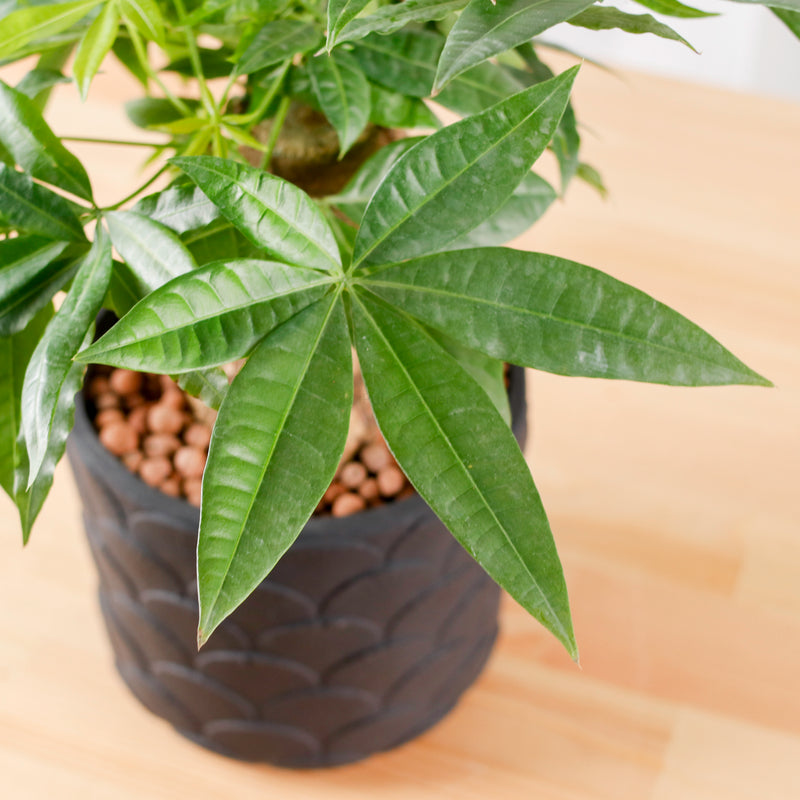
(146, 421)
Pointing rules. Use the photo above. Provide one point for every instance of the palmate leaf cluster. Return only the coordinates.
(404, 266)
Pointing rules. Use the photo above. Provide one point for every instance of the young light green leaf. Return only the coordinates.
(340, 12)
(462, 458)
(589, 175)
(277, 442)
(145, 16)
(394, 110)
(36, 22)
(528, 203)
(272, 213)
(26, 135)
(51, 362)
(95, 45)
(342, 91)
(605, 18)
(31, 208)
(391, 18)
(207, 317)
(278, 41)
(154, 253)
(30, 499)
(673, 8)
(460, 176)
(484, 29)
(30, 275)
(558, 316)
(15, 353)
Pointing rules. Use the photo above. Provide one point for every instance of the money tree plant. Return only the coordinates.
(402, 264)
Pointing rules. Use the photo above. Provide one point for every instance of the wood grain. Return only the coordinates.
(676, 512)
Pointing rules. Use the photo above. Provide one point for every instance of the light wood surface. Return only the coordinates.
(676, 512)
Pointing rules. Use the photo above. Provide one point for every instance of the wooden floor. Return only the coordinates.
(677, 513)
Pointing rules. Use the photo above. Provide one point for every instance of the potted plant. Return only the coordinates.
(297, 229)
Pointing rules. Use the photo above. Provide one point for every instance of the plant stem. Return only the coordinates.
(197, 66)
(255, 115)
(277, 124)
(121, 142)
(141, 54)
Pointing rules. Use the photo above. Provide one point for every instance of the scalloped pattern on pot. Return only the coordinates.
(365, 634)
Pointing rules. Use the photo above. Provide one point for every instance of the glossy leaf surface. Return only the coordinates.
(272, 213)
(30, 275)
(462, 458)
(391, 18)
(558, 316)
(460, 176)
(32, 208)
(15, 353)
(484, 29)
(38, 22)
(602, 18)
(95, 46)
(342, 91)
(340, 12)
(145, 16)
(35, 147)
(394, 110)
(207, 317)
(51, 363)
(275, 448)
(276, 42)
(181, 208)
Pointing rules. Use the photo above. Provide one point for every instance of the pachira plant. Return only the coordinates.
(401, 263)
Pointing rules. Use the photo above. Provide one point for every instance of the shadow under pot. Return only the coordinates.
(364, 635)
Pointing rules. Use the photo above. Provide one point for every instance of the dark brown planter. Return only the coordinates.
(366, 633)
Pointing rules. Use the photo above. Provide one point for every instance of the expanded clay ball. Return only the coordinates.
(348, 503)
(125, 381)
(165, 419)
(119, 438)
(190, 462)
(153, 471)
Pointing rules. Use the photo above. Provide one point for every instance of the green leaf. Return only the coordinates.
(484, 29)
(39, 80)
(209, 385)
(181, 208)
(460, 176)
(155, 112)
(15, 353)
(272, 213)
(605, 18)
(394, 110)
(51, 363)
(488, 372)
(558, 316)
(277, 442)
(528, 203)
(478, 88)
(32, 208)
(589, 175)
(30, 275)
(673, 8)
(145, 16)
(391, 18)
(95, 45)
(353, 199)
(30, 499)
(462, 458)
(218, 241)
(37, 22)
(124, 50)
(791, 5)
(207, 317)
(403, 61)
(340, 12)
(215, 64)
(36, 148)
(342, 91)
(154, 253)
(276, 42)
(789, 18)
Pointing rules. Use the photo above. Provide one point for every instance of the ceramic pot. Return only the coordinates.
(365, 634)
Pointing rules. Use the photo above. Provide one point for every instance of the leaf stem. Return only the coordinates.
(141, 54)
(277, 124)
(120, 142)
(194, 57)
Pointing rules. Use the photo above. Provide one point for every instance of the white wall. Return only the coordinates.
(746, 48)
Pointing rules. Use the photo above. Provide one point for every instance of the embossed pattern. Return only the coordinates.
(364, 635)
